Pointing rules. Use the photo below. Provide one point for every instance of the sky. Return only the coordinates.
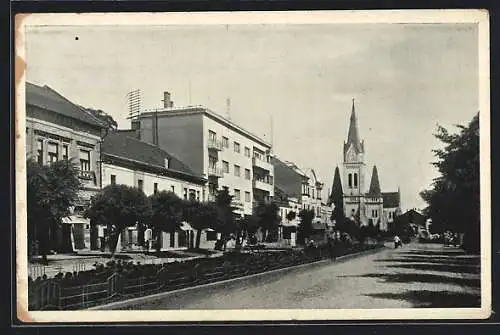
(405, 79)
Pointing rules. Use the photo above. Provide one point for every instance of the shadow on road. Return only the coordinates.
(434, 299)
(431, 267)
(422, 278)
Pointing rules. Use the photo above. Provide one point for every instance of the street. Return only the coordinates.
(417, 275)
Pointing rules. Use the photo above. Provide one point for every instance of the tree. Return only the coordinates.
(118, 207)
(51, 191)
(226, 220)
(268, 219)
(454, 199)
(305, 227)
(167, 213)
(103, 117)
(200, 216)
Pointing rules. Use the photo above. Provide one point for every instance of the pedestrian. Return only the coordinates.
(397, 242)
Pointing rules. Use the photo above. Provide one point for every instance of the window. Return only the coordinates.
(198, 195)
(192, 195)
(84, 160)
(140, 184)
(247, 196)
(349, 180)
(39, 151)
(247, 151)
(167, 163)
(155, 188)
(225, 166)
(237, 194)
(313, 193)
(172, 239)
(211, 235)
(212, 136)
(185, 193)
(65, 152)
(236, 170)
(225, 142)
(247, 174)
(355, 180)
(236, 147)
(113, 179)
(53, 152)
(172, 188)
(212, 162)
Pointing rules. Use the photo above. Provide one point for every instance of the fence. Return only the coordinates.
(59, 295)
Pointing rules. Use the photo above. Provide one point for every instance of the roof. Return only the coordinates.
(46, 98)
(124, 145)
(391, 199)
(286, 178)
(175, 111)
(374, 184)
(353, 135)
(336, 197)
(412, 216)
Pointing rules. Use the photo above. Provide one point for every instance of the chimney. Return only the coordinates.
(167, 103)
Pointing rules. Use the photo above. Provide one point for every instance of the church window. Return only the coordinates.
(350, 180)
(355, 180)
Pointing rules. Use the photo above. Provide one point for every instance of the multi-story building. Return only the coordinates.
(130, 161)
(297, 190)
(215, 148)
(57, 129)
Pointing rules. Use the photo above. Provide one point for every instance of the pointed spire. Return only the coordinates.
(353, 135)
(374, 184)
(336, 197)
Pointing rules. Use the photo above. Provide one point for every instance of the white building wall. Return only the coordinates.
(130, 177)
(233, 158)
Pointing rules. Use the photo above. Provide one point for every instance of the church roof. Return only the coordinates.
(353, 135)
(337, 191)
(374, 184)
(391, 199)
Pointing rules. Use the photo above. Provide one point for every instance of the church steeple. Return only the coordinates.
(337, 193)
(353, 134)
(375, 184)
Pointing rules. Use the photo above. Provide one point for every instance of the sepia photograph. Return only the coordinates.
(228, 166)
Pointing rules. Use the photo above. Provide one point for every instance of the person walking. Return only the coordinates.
(397, 242)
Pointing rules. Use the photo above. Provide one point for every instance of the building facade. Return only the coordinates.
(132, 162)
(214, 147)
(364, 205)
(296, 190)
(57, 129)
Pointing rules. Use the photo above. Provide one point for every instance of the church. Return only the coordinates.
(364, 204)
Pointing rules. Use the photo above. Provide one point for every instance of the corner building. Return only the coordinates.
(217, 149)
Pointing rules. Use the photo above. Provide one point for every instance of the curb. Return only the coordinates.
(123, 303)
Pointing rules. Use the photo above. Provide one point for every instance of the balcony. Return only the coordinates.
(263, 185)
(211, 197)
(214, 145)
(88, 177)
(237, 204)
(262, 164)
(215, 172)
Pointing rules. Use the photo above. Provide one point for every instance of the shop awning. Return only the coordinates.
(75, 219)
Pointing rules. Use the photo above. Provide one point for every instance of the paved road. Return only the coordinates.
(414, 276)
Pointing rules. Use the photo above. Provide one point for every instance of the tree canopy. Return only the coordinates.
(305, 227)
(51, 192)
(201, 216)
(118, 207)
(267, 218)
(103, 117)
(454, 200)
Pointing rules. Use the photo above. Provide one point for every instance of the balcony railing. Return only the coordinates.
(215, 172)
(87, 175)
(214, 145)
(263, 185)
(262, 163)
